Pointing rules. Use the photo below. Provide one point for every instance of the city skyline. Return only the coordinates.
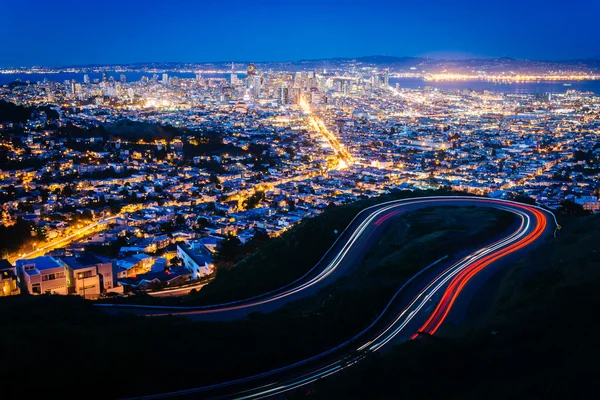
(281, 200)
(69, 33)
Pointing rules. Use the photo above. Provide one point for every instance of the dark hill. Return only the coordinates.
(135, 130)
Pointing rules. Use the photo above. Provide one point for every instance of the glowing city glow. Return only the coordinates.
(345, 159)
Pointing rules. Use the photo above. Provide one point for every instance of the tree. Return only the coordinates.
(291, 205)
(87, 215)
(180, 219)
(260, 238)
(580, 155)
(15, 236)
(41, 233)
(572, 208)
(175, 261)
(290, 150)
(166, 227)
(214, 179)
(524, 199)
(229, 250)
(67, 191)
(202, 222)
(254, 200)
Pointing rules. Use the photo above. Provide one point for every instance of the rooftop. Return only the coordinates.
(85, 260)
(41, 263)
(200, 257)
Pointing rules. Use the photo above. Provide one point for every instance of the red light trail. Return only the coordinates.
(457, 284)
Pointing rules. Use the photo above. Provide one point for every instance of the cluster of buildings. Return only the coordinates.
(259, 151)
(92, 275)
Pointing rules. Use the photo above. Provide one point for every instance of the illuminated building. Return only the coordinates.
(43, 275)
(89, 275)
(284, 95)
(195, 258)
(233, 76)
(8, 279)
(256, 85)
(375, 81)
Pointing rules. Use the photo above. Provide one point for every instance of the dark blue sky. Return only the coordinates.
(62, 32)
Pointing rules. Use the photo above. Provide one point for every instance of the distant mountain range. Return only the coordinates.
(393, 63)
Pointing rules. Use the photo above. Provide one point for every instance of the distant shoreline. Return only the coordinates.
(502, 86)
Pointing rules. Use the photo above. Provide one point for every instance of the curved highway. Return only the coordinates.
(402, 319)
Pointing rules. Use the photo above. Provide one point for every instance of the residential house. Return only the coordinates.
(43, 275)
(8, 279)
(90, 275)
(134, 265)
(195, 258)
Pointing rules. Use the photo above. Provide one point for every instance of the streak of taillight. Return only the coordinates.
(458, 283)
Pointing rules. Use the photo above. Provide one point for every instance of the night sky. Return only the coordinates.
(45, 32)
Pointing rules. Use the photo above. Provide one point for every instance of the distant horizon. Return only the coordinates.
(429, 57)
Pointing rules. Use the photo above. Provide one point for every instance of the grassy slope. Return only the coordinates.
(539, 340)
(70, 338)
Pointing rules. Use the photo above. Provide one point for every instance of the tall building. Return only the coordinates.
(198, 77)
(165, 79)
(104, 77)
(123, 78)
(386, 78)
(375, 81)
(299, 79)
(233, 76)
(256, 85)
(86, 79)
(284, 95)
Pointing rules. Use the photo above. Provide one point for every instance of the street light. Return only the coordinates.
(82, 276)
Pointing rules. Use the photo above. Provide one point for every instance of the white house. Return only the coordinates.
(196, 259)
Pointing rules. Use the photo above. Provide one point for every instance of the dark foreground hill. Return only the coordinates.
(539, 341)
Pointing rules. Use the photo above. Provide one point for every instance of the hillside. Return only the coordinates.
(117, 345)
(136, 130)
(10, 112)
(298, 249)
(538, 341)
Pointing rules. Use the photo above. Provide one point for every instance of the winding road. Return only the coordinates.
(404, 318)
